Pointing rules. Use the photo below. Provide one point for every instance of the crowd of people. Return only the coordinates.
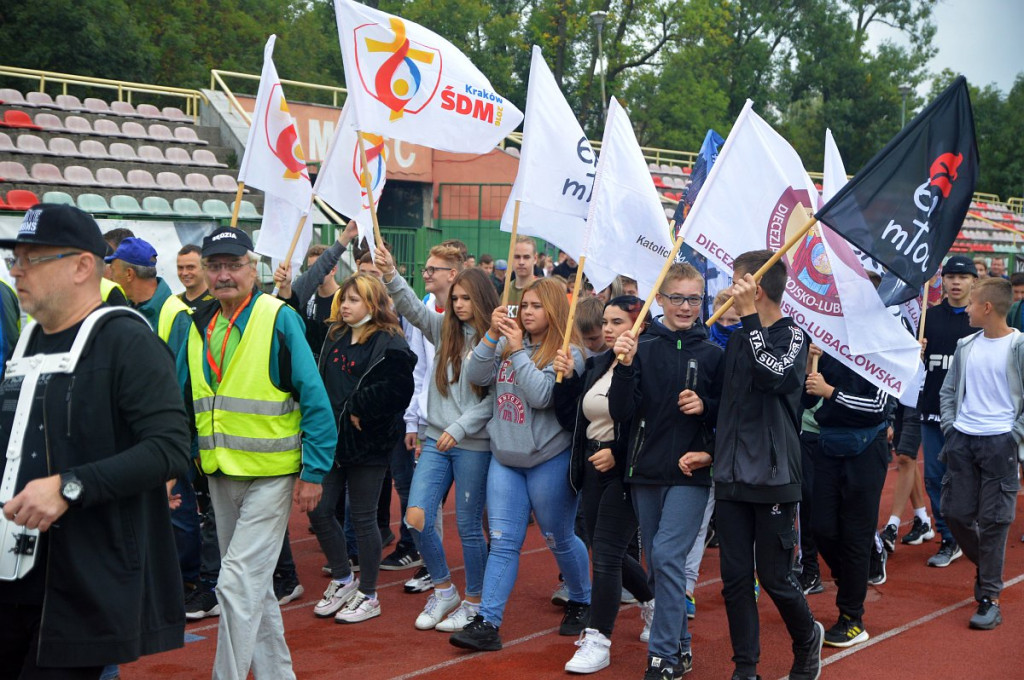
(203, 420)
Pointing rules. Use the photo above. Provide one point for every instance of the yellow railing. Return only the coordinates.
(124, 88)
(217, 78)
(1016, 204)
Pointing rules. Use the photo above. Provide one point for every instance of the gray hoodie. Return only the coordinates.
(462, 414)
(524, 430)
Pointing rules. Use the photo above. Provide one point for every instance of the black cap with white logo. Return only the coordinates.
(227, 241)
(65, 226)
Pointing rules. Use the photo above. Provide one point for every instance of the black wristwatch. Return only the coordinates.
(71, 488)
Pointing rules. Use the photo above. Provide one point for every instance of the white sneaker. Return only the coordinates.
(647, 616)
(593, 653)
(458, 619)
(335, 597)
(360, 607)
(437, 608)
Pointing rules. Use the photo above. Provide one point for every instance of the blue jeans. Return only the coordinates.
(403, 464)
(670, 517)
(511, 493)
(932, 441)
(185, 520)
(434, 474)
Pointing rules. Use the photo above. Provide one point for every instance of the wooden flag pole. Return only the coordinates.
(814, 363)
(924, 308)
(669, 261)
(788, 245)
(511, 253)
(572, 311)
(295, 239)
(238, 203)
(364, 177)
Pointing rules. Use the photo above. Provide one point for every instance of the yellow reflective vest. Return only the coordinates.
(168, 312)
(106, 286)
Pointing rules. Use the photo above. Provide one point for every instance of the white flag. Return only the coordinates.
(280, 219)
(339, 181)
(408, 83)
(757, 195)
(556, 167)
(627, 232)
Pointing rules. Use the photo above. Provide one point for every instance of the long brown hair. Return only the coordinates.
(451, 348)
(556, 308)
(375, 295)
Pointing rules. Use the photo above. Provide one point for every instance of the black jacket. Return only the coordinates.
(569, 411)
(943, 328)
(645, 394)
(855, 402)
(757, 453)
(113, 584)
(379, 401)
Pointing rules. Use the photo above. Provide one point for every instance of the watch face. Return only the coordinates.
(72, 490)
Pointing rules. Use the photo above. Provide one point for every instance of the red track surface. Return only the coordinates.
(917, 621)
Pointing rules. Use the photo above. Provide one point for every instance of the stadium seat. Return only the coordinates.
(6, 145)
(123, 152)
(173, 113)
(669, 213)
(161, 132)
(123, 109)
(93, 203)
(170, 181)
(21, 199)
(12, 97)
(247, 211)
(148, 111)
(206, 158)
(62, 146)
(69, 102)
(151, 154)
(687, 170)
(178, 156)
(108, 128)
(659, 182)
(199, 182)
(90, 148)
(157, 205)
(94, 105)
(32, 144)
(214, 207)
(78, 125)
(111, 177)
(188, 207)
(653, 167)
(18, 119)
(675, 170)
(59, 197)
(46, 173)
(187, 135)
(141, 179)
(126, 205)
(40, 99)
(133, 130)
(225, 184)
(48, 121)
(13, 171)
(79, 175)
(3, 204)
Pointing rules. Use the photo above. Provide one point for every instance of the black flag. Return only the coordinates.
(906, 206)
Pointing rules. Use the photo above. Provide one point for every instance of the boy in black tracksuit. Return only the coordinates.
(667, 388)
(758, 472)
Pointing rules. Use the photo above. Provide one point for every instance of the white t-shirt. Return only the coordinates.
(987, 408)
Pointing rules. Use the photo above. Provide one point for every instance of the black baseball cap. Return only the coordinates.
(227, 241)
(959, 264)
(65, 226)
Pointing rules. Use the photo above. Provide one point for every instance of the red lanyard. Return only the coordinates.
(214, 366)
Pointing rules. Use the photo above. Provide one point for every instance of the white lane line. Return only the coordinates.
(472, 655)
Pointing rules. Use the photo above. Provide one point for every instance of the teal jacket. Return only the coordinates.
(151, 310)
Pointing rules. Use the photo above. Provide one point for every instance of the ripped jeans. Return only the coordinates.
(511, 493)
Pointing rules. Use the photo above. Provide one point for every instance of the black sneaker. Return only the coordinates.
(201, 603)
(987, 617)
(287, 588)
(420, 582)
(919, 533)
(577, 616)
(659, 669)
(876, 570)
(949, 551)
(811, 583)
(478, 635)
(684, 666)
(889, 537)
(400, 559)
(807, 657)
(846, 633)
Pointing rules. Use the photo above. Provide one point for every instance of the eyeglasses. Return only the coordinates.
(678, 300)
(25, 262)
(430, 271)
(217, 267)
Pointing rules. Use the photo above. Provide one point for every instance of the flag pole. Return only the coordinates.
(364, 177)
(511, 253)
(238, 203)
(572, 311)
(669, 261)
(924, 307)
(295, 239)
(788, 245)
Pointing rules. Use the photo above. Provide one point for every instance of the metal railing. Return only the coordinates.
(217, 78)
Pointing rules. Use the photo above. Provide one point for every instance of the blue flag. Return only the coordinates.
(705, 159)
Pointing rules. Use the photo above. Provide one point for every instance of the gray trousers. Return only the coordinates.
(979, 500)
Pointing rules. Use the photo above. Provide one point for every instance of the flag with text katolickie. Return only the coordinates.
(907, 205)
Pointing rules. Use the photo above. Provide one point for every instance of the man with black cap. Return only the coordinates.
(263, 418)
(944, 325)
(88, 575)
(133, 267)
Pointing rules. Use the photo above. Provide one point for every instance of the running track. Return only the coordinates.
(917, 621)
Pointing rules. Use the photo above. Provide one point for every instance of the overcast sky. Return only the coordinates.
(983, 39)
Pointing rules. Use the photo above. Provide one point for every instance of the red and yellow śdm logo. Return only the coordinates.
(376, 158)
(282, 137)
(389, 68)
